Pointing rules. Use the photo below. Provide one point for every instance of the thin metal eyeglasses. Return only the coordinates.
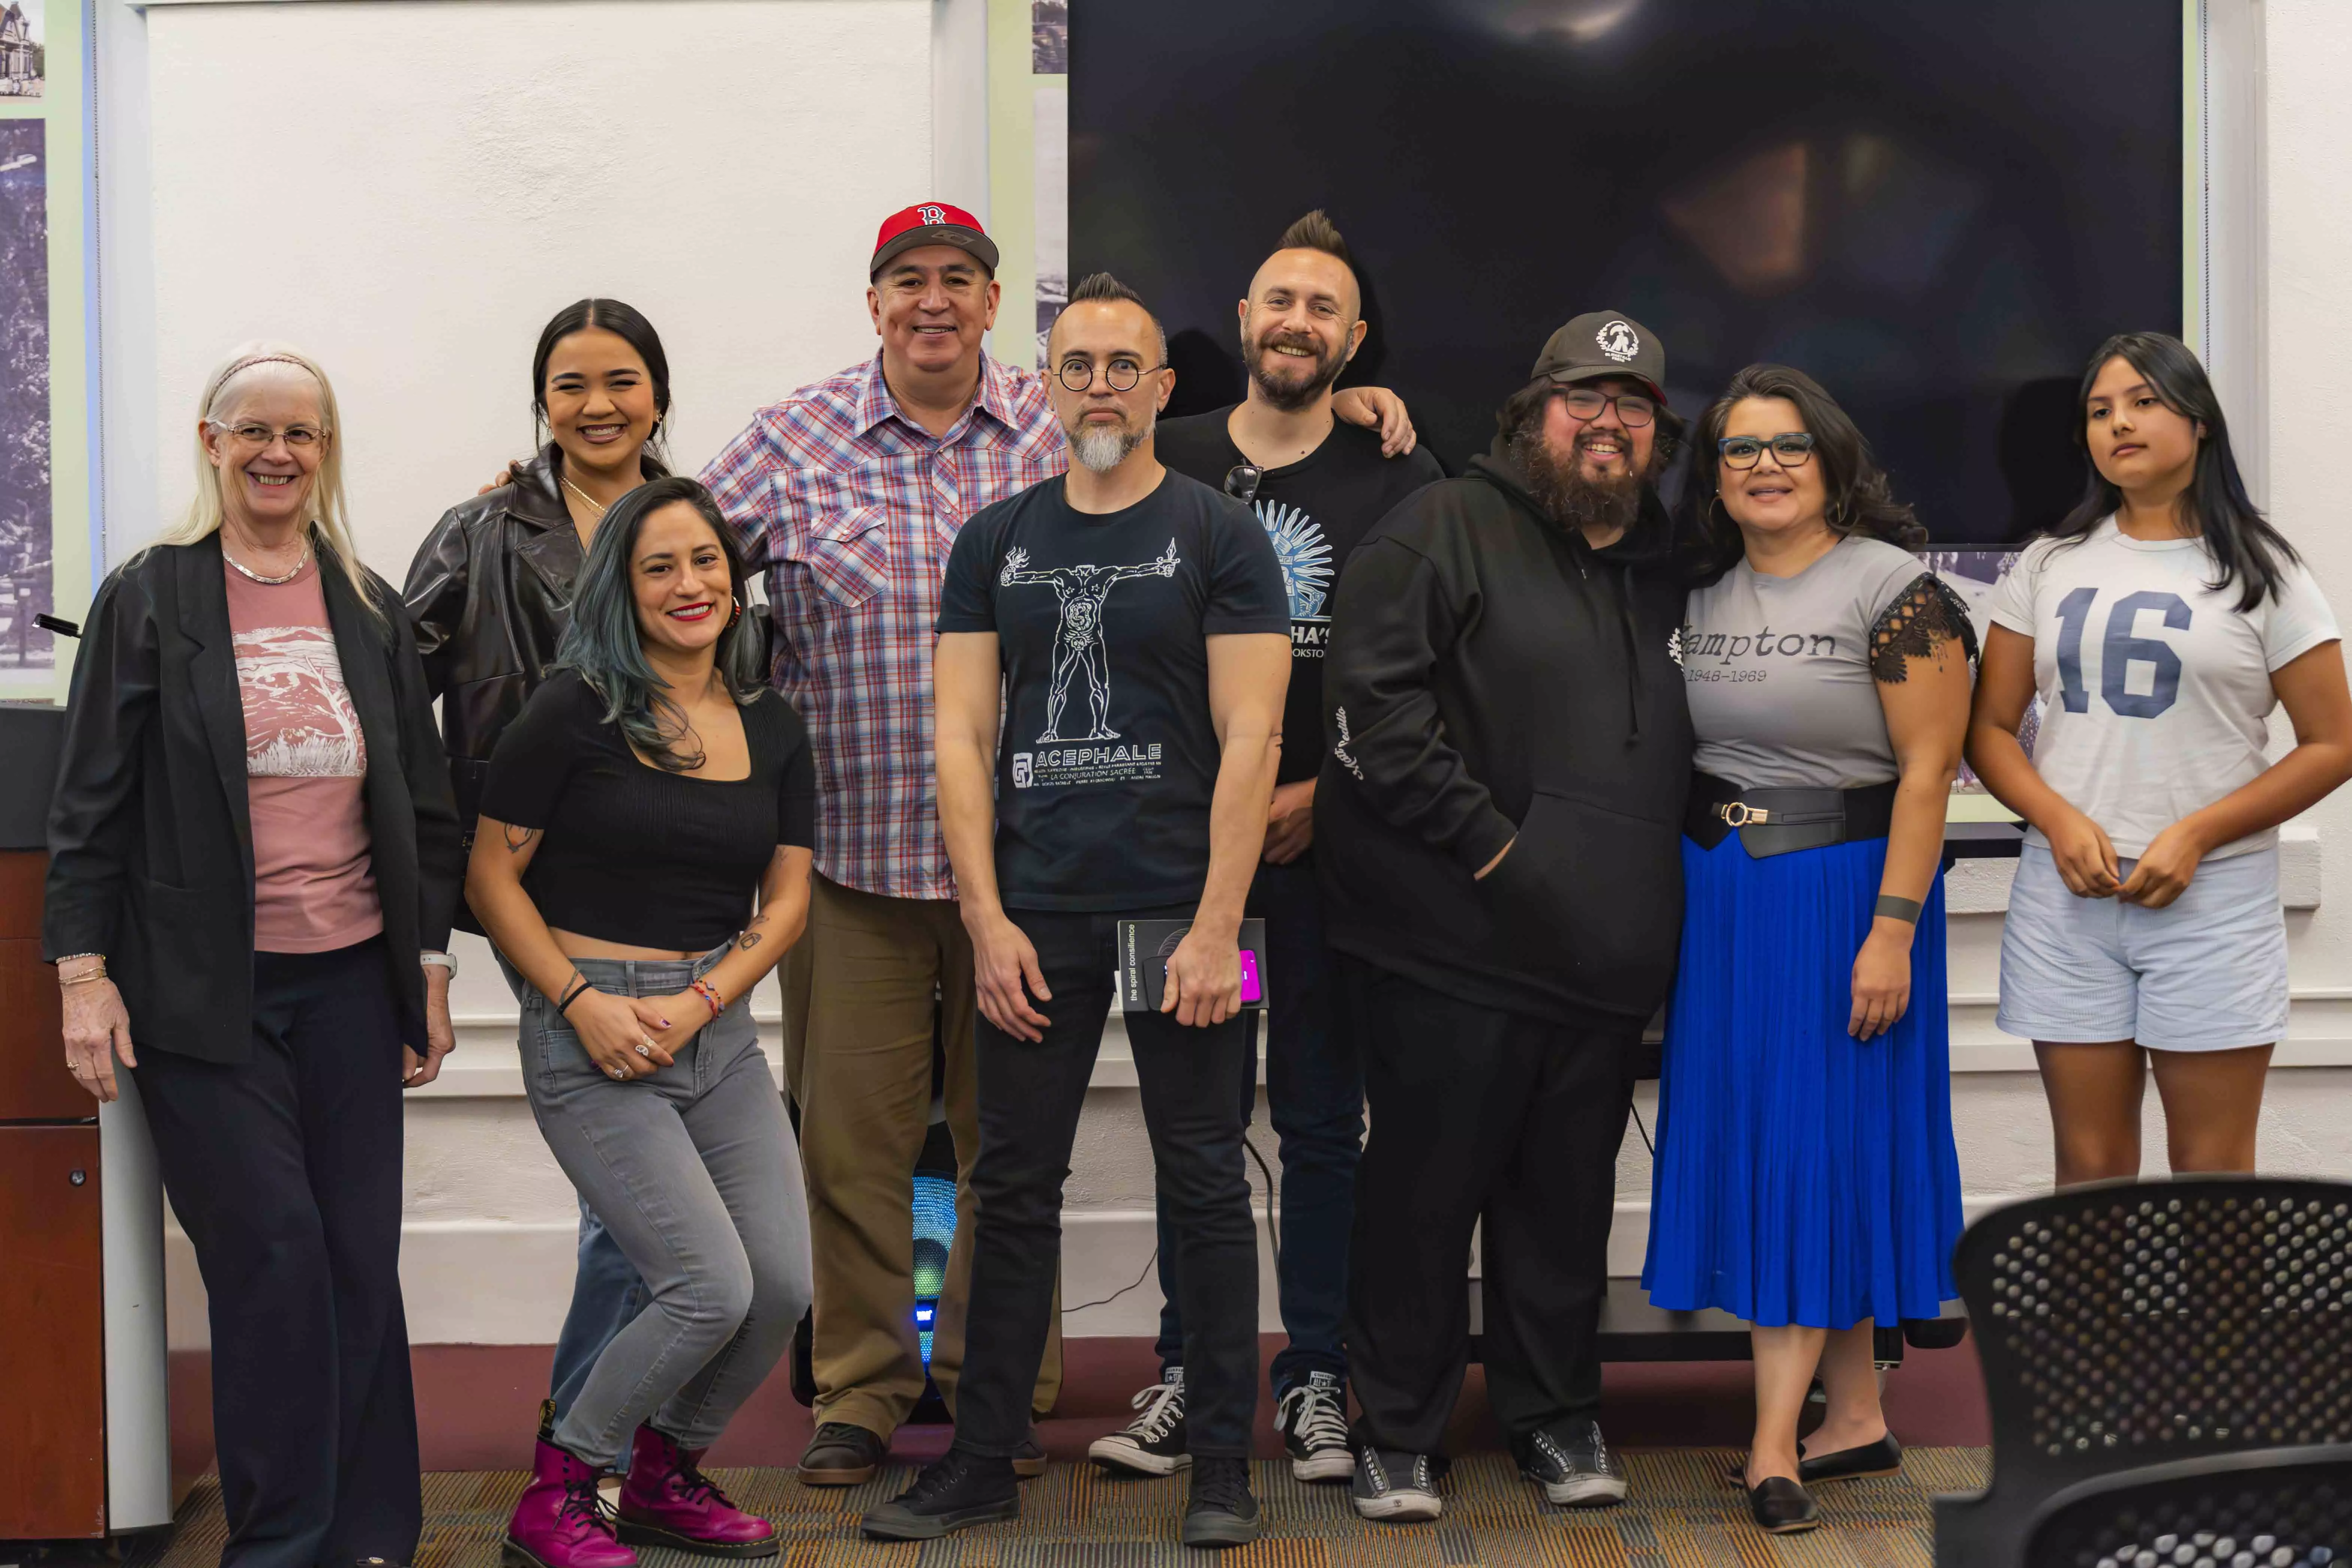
(1120, 374)
(298, 437)
(1632, 408)
(1791, 450)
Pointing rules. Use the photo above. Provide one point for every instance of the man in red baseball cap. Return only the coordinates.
(850, 492)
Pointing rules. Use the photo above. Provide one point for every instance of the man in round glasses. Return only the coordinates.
(849, 492)
(1113, 649)
(1317, 486)
(1498, 841)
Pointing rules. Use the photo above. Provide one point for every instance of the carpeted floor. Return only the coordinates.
(1684, 1513)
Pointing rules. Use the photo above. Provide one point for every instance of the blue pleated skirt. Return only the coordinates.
(1803, 1176)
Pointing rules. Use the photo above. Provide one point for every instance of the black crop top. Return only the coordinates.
(634, 855)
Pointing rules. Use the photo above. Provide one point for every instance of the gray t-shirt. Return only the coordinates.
(1778, 669)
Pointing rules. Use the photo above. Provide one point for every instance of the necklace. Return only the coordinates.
(272, 582)
(583, 495)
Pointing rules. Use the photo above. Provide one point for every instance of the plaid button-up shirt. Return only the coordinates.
(851, 508)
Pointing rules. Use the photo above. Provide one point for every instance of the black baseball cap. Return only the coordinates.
(1601, 343)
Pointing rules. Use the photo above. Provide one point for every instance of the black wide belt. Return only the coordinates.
(1782, 821)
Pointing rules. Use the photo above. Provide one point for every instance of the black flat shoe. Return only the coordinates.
(1782, 1507)
(1884, 1458)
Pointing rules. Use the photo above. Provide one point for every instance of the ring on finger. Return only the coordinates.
(620, 1072)
(644, 1047)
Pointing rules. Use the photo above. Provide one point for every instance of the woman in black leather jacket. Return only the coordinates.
(490, 589)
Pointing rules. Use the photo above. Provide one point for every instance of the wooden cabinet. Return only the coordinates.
(53, 1373)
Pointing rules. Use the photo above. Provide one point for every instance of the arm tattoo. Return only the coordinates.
(519, 839)
(1925, 619)
(750, 940)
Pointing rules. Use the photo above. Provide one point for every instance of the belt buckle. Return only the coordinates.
(1739, 813)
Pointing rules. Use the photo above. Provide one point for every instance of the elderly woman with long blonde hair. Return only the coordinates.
(253, 858)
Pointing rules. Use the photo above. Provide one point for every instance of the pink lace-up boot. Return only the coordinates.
(666, 1502)
(560, 1522)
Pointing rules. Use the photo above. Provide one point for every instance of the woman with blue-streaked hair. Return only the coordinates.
(642, 861)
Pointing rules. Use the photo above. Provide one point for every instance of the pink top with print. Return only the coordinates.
(306, 768)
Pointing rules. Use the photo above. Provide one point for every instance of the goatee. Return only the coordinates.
(1102, 448)
(1564, 492)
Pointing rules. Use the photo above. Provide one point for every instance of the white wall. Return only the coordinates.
(447, 175)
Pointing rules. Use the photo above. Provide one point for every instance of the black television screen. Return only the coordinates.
(1937, 209)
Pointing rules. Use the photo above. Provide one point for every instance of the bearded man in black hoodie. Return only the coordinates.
(1497, 825)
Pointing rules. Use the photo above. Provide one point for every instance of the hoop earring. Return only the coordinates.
(737, 616)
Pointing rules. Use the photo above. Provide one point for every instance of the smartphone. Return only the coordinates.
(1250, 989)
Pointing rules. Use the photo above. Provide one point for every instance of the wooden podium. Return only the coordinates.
(83, 1445)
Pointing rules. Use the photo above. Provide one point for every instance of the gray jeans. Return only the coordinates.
(694, 1172)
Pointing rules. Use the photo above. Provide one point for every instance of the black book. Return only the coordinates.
(1145, 946)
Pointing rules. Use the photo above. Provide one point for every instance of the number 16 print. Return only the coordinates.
(2119, 649)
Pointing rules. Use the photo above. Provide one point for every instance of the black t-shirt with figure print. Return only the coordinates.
(1108, 754)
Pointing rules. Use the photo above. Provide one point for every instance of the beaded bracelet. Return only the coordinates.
(709, 996)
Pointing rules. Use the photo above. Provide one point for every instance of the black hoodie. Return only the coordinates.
(1492, 677)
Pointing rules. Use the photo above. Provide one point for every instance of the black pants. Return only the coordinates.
(285, 1172)
(1480, 1115)
(1315, 1097)
(1030, 1097)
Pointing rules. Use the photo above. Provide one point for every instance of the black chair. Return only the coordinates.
(2130, 1329)
(2280, 1508)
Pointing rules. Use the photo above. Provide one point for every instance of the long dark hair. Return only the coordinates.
(2245, 548)
(1860, 498)
(627, 324)
(602, 642)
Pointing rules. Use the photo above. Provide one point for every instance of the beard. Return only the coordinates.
(1290, 393)
(1099, 448)
(1567, 495)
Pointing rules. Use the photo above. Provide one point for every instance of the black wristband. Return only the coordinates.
(579, 988)
(1905, 910)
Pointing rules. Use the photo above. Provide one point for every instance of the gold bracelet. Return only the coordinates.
(92, 978)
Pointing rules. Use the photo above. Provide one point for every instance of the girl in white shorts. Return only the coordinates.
(2160, 623)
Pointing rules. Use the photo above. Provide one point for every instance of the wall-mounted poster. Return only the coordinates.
(44, 502)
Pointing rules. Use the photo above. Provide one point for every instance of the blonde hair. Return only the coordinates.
(326, 520)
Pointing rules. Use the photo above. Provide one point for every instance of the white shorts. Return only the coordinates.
(2207, 972)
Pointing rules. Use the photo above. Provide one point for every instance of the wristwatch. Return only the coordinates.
(443, 960)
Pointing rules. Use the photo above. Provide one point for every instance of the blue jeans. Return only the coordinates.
(606, 1294)
(1314, 1093)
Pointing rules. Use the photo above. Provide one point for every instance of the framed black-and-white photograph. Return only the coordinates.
(27, 529)
(22, 63)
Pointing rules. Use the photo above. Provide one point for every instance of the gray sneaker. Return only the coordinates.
(1575, 1466)
(1393, 1486)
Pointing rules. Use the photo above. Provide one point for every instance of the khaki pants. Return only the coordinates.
(859, 992)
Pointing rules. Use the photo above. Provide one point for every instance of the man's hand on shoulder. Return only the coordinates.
(1377, 408)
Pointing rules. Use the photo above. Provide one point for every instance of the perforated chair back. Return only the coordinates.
(2128, 1324)
(2270, 1510)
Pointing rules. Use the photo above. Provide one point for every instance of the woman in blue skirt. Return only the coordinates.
(1806, 1177)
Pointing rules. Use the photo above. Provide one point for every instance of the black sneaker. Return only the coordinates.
(957, 1490)
(1153, 1443)
(1393, 1486)
(1313, 1420)
(1220, 1511)
(1575, 1466)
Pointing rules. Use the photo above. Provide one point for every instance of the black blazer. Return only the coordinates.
(151, 836)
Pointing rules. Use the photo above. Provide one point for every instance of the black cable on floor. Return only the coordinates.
(1115, 1295)
(1644, 1132)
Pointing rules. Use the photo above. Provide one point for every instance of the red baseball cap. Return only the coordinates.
(931, 222)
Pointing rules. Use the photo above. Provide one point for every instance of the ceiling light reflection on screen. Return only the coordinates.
(1569, 21)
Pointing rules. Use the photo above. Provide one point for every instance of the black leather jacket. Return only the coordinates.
(490, 591)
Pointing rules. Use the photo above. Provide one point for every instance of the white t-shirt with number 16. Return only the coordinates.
(2156, 689)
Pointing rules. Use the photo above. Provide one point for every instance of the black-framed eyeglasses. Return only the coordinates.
(1633, 407)
(1078, 374)
(1242, 481)
(1791, 450)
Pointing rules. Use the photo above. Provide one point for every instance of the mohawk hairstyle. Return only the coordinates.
(1102, 287)
(1315, 231)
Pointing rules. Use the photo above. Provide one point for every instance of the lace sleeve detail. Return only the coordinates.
(1922, 619)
